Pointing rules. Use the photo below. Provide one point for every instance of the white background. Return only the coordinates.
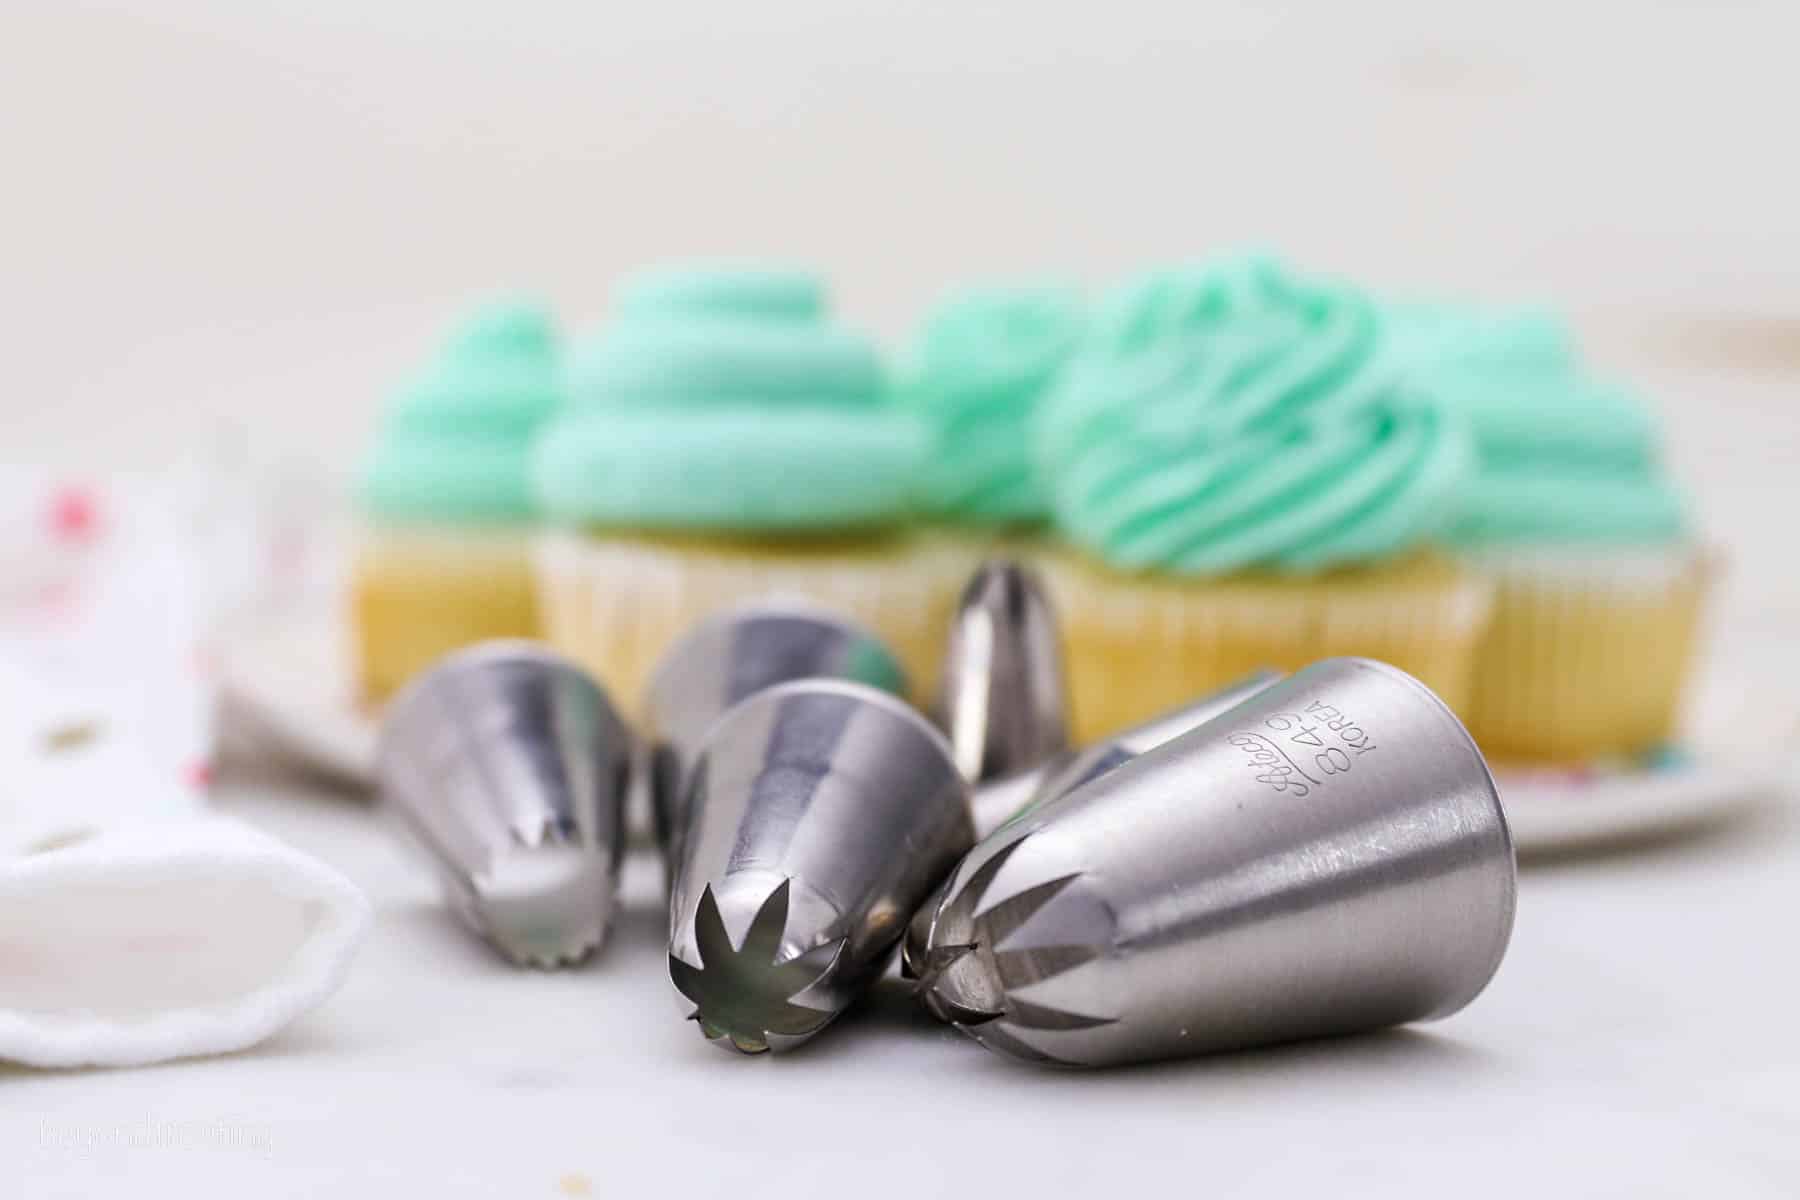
(237, 222)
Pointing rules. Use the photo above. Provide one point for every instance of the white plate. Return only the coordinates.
(1736, 751)
(289, 689)
(1738, 748)
(1556, 812)
(292, 688)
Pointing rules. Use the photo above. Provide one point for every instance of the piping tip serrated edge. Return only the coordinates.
(745, 995)
(972, 969)
(573, 956)
(546, 907)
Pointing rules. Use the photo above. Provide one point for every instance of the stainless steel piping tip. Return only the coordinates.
(509, 766)
(820, 813)
(1003, 700)
(998, 802)
(733, 655)
(1329, 856)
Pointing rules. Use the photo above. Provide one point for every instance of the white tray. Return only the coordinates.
(289, 690)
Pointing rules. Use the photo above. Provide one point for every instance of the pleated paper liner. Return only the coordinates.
(1141, 644)
(1587, 653)
(615, 602)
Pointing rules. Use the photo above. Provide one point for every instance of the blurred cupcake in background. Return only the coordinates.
(1598, 576)
(984, 360)
(1248, 482)
(1519, 342)
(443, 558)
(727, 441)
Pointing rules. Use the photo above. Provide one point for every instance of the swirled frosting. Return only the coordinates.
(984, 361)
(709, 361)
(455, 444)
(1562, 456)
(1504, 342)
(1233, 416)
(725, 400)
(758, 292)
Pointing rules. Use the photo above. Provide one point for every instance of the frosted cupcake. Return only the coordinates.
(1248, 484)
(728, 442)
(1597, 573)
(444, 555)
(985, 359)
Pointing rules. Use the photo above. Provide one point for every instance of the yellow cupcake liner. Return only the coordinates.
(615, 602)
(418, 593)
(1138, 645)
(1585, 655)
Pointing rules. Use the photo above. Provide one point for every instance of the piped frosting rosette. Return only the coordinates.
(725, 401)
(1525, 342)
(456, 441)
(984, 361)
(1234, 416)
(1564, 457)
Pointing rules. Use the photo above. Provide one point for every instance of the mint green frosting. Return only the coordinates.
(1244, 296)
(726, 400)
(763, 293)
(506, 400)
(1552, 422)
(708, 360)
(455, 444)
(729, 470)
(1230, 416)
(985, 359)
(1503, 341)
(449, 477)
(1515, 505)
(1561, 456)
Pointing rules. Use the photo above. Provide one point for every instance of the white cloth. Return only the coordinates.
(160, 941)
(134, 926)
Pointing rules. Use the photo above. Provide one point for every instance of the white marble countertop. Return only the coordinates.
(1638, 1041)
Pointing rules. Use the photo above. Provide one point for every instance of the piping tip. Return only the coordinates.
(1004, 697)
(1069, 771)
(747, 990)
(1328, 857)
(983, 955)
(1003, 799)
(733, 655)
(820, 813)
(509, 767)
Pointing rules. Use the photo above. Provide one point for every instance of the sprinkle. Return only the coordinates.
(72, 735)
(74, 515)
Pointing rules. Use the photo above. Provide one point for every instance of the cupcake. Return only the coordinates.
(984, 360)
(1598, 578)
(1247, 481)
(727, 441)
(443, 556)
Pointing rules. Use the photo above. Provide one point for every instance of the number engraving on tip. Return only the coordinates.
(1353, 736)
(1332, 761)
